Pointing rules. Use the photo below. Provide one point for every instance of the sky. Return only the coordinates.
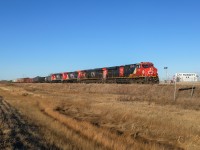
(39, 37)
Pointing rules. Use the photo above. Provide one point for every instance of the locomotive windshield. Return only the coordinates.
(145, 65)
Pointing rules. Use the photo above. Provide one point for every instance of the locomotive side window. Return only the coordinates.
(138, 66)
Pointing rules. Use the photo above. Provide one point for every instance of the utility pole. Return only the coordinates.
(165, 68)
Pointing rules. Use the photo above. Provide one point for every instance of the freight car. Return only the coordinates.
(24, 80)
(48, 79)
(38, 79)
(143, 72)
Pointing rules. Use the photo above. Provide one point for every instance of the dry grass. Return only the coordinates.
(102, 116)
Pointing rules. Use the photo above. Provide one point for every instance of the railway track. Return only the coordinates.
(16, 132)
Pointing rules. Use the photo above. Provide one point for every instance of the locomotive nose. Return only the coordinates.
(155, 71)
(151, 71)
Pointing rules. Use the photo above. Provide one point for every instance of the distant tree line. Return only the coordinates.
(5, 81)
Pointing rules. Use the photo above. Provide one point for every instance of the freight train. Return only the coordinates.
(143, 72)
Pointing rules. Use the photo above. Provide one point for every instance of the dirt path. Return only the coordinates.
(16, 133)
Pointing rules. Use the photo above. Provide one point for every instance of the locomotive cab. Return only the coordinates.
(148, 71)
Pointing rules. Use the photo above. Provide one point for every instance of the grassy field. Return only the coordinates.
(109, 116)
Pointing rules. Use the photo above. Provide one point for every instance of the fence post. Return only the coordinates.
(175, 90)
(192, 93)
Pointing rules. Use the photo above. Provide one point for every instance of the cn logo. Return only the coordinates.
(150, 71)
(121, 71)
(143, 72)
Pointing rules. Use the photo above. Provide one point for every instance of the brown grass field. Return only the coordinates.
(99, 116)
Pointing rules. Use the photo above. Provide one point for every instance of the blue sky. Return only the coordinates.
(39, 37)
